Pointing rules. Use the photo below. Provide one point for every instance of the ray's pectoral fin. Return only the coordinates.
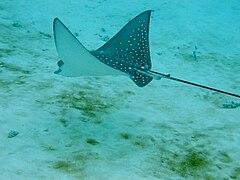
(76, 60)
(128, 51)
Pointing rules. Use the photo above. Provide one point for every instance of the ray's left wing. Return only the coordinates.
(76, 60)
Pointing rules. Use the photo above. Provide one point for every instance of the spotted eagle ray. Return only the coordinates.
(126, 53)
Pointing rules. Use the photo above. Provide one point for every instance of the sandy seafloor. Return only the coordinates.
(106, 127)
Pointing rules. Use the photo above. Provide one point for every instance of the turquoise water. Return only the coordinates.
(106, 127)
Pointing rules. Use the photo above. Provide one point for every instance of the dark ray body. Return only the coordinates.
(128, 50)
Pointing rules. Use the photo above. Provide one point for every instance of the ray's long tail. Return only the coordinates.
(158, 76)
